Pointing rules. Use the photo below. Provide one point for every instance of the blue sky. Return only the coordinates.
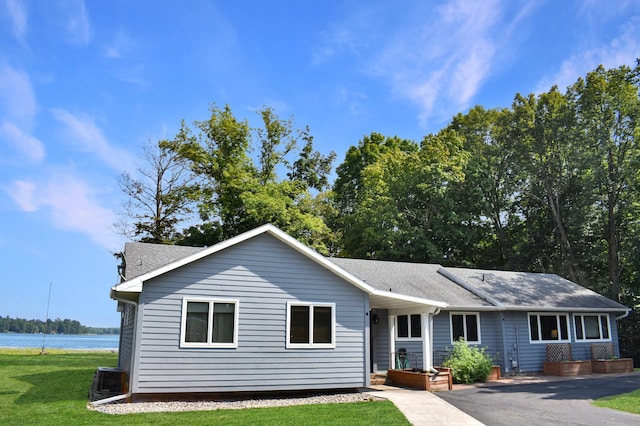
(84, 84)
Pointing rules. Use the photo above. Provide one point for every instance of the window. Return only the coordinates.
(548, 328)
(592, 327)
(465, 325)
(310, 325)
(409, 326)
(209, 323)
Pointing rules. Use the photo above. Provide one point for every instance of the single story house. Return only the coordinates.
(263, 312)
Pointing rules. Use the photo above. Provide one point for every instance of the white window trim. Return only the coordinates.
(311, 345)
(557, 315)
(464, 324)
(584, 339)
(410, 338)
(209, 343)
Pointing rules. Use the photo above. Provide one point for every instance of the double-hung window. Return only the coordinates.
(311, 325)
(548, 327)
(209, 323)
(409, 327)
(591, 327)
(465, 325)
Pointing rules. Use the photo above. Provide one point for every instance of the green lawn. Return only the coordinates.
(629, 402)
(52, 389)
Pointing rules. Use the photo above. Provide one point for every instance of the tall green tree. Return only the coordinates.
(236, 192)
(393, 195)
(609, 116)
(545, 130)
(490, 187)
(350, 191)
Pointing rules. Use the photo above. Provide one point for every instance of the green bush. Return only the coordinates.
(468, 364)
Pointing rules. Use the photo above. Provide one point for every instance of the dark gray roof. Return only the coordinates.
(412, 279)
(523, 290)
(459, 288)
(141, 258)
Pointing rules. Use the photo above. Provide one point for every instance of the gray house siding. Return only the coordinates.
(262, 274)
(380, 340)
(531, 356)
(127, 324)
(490, 336)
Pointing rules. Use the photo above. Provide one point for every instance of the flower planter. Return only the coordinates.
(612, 366)
(421, 380)
(566, 368)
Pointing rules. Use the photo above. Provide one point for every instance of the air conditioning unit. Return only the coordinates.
(108, 382)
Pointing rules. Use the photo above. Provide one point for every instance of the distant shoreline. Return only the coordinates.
(64, 334)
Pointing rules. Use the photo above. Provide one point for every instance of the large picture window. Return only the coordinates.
(209, 323)
(409, 326)
(549, 327)
(592, 327)
(310, 325)
(465, 325)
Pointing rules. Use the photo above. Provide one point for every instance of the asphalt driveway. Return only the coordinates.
(560, 401)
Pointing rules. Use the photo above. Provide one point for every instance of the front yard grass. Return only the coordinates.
(629, 402)
(52, 389)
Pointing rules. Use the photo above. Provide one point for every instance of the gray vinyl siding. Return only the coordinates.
(263, 274)
(127, 324)
(490, 335)
(380, 333)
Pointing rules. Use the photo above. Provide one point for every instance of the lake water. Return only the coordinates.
(60, 341)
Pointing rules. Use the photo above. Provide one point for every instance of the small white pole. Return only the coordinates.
(46, 319)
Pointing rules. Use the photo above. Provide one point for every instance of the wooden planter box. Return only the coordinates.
(611, 366)
(494, 373)
(421, 380)
(566, 368)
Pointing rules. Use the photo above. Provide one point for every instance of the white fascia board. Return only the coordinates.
(411, 299)
(135, 284)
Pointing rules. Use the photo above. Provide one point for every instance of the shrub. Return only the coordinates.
(468, 364)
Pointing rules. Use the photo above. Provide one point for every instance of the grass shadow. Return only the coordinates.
(60, 385)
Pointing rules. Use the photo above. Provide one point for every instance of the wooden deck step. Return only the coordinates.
(378, 378)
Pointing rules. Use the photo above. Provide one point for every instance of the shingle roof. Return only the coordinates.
(458, 288)
(141, 258)
(522, 290)
(412, 279)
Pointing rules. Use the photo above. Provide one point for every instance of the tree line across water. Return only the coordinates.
(547, 184)
(52, 326)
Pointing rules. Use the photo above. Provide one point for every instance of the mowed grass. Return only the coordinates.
(629, 402)
(52, 389)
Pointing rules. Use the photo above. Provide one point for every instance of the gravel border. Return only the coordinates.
(156, 407)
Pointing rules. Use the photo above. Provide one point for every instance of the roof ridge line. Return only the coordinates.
(464, 284)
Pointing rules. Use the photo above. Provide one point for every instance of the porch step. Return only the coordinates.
(378, 378)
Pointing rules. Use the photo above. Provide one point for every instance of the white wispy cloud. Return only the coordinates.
(29, 147)
(438, 59)
(84, 135)
(444, 58)
(621, 50)
(18, 14)
(17, 98)
(70, 203)
(72, 19)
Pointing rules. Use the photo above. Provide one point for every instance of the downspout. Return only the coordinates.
(128, 394)
(623, 316)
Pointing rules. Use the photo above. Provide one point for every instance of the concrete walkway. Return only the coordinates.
(421, 407)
